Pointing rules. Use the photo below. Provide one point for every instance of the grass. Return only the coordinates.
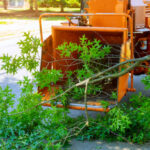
(6, 35)
(52, 9)
(11, 10)
(49, 9)
(26, 14)
(57, 18)
(1, 3)
(5, 22)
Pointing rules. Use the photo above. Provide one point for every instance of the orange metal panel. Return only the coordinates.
(123, 80)
(47, 52)
(108, 6)
(73, 33)
(81, 108)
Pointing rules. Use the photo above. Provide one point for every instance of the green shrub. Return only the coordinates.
(30, 126)
(88, 52)
(57, 3)
(126, 122)
(73, 3)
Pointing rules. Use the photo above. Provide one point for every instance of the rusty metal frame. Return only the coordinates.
(82, 107)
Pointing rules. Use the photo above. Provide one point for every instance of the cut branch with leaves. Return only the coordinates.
(29, 118)
(100, 76)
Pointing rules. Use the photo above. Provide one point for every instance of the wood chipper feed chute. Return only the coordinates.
(108, 34)
(68, 34)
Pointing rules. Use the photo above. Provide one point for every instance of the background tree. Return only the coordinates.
(62, 4)
(5, 4)
(31, 4)
(36, 5)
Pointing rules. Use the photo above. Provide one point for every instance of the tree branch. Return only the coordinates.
(85, 102)
(137, 62)
(95, 78)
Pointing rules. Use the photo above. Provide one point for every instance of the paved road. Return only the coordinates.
(8, 44)
(14, 27)
(10, 34)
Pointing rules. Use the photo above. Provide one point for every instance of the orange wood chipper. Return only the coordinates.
(123, 24)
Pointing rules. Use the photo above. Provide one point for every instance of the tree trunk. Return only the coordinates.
(5, 4)
(62, 6)
(31, 4)
(82, 6)
(36, 5)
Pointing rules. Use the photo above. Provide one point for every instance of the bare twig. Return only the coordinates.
(85, 102)
(116, 75)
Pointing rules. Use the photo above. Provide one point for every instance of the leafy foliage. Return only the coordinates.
(30, 126)
(6, 101)
(28, 57)
(27, 126)
(126, 122)
(57, 3)
(88, 52)
(45, 77)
